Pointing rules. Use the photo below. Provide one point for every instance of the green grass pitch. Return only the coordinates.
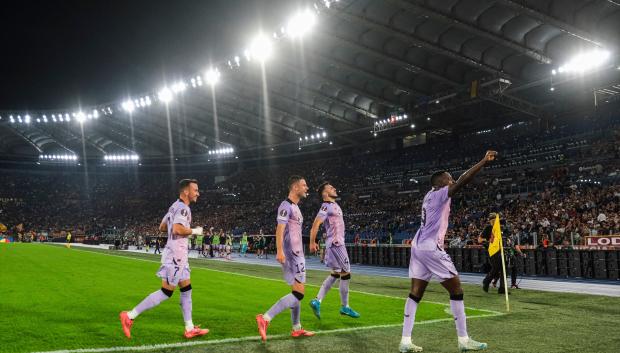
(53, 298)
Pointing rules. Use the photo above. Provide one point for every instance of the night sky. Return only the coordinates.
(62, 54)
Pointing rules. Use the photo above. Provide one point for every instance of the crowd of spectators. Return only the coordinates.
(556, 185)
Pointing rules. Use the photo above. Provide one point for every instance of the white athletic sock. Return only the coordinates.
(463, 340)
(266, 317)
(296, 327)
(405, 340)
(189, 325)
(132, 314)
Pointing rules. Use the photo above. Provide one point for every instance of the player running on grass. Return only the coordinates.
(174, 268)
(429, 259)
(290, 254)
(336, 256)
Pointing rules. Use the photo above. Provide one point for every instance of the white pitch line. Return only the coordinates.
(242, 339)
(280, 281)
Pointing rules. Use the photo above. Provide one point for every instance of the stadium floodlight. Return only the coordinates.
(179, 87)
(165, 95)
(147, 99)
(552, 89)
(27, 119)
(212, 76)
(80, 117)
(129, 106)
(324, 134)
(586, 61)
(301, 23)
(237, 61)
(95, 113)
(260, 48)
(38, 120)
(19, 118)
(413, 126)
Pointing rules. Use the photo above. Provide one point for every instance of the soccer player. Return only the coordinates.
(216, 244)
(68, 245)
(429, 259)
(174, 268)
(228, 246)
(290, 254)
(157, 245)
(336, 256)
(200, 244)
(243, 244)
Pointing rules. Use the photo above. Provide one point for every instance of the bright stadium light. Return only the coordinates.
(212, 76)
(27, 119)
(179, 87)
(80, 117)
(301, 23)
(260, 48)
(128, 105)
(165, 95)
(586, 61)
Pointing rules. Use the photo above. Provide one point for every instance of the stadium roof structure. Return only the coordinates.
(450, 66)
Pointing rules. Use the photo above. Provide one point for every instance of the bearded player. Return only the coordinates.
(174, 270)
(336, 256)
(429, 259)
(290, 253)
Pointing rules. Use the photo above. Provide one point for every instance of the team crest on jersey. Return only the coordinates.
(184, 212)
(283, 213)
(324, 208)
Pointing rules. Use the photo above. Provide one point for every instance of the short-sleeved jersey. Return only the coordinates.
(175, 251)
(331, 214)
(199, 239)
(290, 215)
(435, 213)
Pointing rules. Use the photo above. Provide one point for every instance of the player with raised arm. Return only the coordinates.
(336, 256)
(290, 253)
(174, 268)
(429, 259)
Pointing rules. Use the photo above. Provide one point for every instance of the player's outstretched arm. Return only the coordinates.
(279, 239)
(313, 232)
(468, 176)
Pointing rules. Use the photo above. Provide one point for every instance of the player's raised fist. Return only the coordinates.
(490, 156)
(280, 257)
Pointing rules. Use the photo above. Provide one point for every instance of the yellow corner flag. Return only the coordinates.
(496, 246)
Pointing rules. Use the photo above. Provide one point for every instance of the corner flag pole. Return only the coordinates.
(501, 248)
